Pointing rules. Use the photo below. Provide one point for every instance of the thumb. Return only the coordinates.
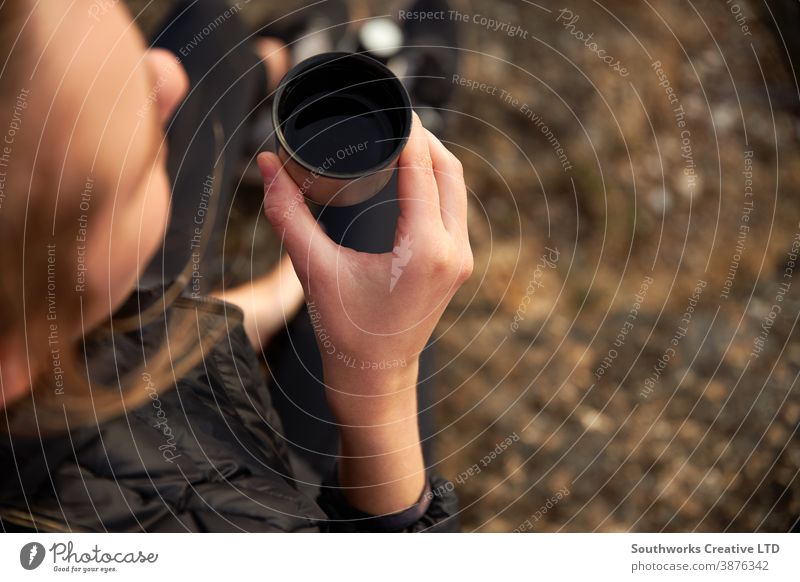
(286, 210)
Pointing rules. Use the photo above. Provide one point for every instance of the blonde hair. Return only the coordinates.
(37, 302)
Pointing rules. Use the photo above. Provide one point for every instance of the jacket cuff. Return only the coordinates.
(339, 509)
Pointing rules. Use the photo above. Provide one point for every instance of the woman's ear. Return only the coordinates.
(14, 375)
(171, 81)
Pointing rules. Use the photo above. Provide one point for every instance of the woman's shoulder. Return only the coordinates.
(192, 458)
(204, 454)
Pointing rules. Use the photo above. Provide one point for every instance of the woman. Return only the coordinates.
(131, 401)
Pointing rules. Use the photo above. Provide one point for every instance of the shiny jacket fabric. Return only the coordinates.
(205, 456)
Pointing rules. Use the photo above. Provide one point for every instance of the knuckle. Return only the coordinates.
(443, 261)
(467, 267)
(275, 214)
(441, 264)
(437, 258)
(464, 262)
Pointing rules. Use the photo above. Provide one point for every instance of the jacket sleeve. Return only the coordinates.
(435, 511)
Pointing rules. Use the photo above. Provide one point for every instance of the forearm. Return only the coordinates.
(255, 320)
(266, 302)
(381, 469)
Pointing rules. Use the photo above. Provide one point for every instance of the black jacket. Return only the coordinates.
(204, 456)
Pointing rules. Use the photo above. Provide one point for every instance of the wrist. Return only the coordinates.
(381, 465)
(371, 397)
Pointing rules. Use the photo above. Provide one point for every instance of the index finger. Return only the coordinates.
(452, 190)
(417, 191)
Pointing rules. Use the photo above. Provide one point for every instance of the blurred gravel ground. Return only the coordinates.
(714, 446)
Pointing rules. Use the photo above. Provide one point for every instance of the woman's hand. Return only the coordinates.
(373, 313)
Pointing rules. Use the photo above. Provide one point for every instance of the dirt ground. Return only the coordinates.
(625, 356)
(713, 444)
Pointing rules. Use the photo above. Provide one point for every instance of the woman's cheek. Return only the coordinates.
(130, 242)
(155, 215)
